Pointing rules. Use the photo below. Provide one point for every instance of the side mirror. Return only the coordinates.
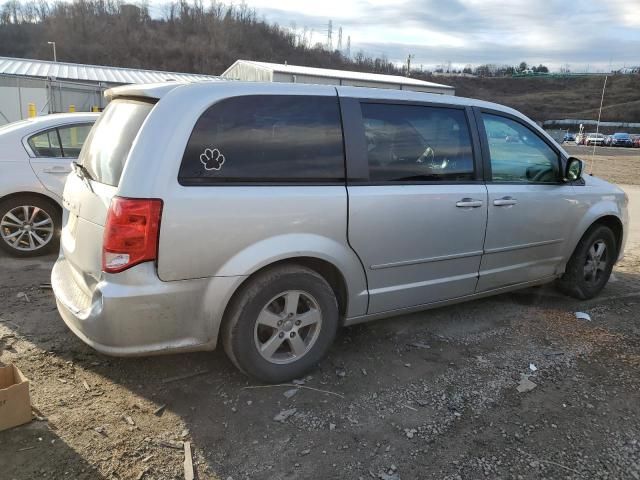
(573, 170)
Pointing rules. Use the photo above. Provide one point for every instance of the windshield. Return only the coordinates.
(621, 135)
(106, 149)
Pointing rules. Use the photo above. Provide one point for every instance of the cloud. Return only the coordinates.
(475, 31)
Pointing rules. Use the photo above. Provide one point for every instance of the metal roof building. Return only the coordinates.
(92, 73)
(249, 70)
(55, 86)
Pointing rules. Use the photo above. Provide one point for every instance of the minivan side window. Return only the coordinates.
(412, 143)
(266, 138)
(518, 154)
(46, 144)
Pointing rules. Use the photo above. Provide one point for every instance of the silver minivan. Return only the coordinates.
(265, 216)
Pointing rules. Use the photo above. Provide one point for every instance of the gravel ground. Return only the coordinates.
(428, 395)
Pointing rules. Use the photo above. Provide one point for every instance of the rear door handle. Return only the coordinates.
(505, 201)
(469, 203)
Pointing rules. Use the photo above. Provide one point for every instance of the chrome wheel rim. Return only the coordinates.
(287, 327)
(596, 262)
(26, 228)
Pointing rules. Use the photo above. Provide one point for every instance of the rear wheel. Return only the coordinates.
(281, 324)
(590, 266)
(29, 226)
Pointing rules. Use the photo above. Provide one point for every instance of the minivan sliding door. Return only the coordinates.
(417, 205)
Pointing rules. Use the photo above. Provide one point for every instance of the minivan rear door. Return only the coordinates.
(89, 190)
(417, 204)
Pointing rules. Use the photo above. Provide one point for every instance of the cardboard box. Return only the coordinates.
(15, 404)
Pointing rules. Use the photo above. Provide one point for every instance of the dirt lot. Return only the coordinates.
(614, 164)
(429, 395)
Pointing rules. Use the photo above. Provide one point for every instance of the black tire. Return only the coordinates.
(239, 325)
(49, 207)
(573, 282)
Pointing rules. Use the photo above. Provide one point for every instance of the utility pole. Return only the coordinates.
(55, 57)
(409, 57)
(339, 48)
(329, 38)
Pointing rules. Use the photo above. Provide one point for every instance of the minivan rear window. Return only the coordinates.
(107, 146)
(266, 139)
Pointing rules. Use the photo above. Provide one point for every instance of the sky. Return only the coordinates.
(593, 35)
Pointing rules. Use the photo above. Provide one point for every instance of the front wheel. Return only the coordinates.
(281, 324)
(589, 268)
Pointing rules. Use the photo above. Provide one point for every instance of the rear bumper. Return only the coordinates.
(134, 313)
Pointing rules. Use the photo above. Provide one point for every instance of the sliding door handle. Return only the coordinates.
(469, 203)
(505, 201)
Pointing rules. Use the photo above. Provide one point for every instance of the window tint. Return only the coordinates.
(72, 139)
(46, 144)
(108, 143)
(266, 138)
(518, 154)
(416, 143)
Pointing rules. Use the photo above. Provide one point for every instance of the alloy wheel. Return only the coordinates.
(26, 228)
(596, 262)
(287, 327)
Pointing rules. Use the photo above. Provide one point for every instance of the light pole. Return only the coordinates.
(55, 57)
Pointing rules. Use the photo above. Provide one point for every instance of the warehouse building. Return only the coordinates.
(248, 70)
(54, 86)
(57, 86)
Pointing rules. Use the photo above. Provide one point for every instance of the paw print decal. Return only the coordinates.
(212, 159)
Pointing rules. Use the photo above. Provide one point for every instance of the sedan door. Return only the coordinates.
(417, 205)
(52, 152)
(531, 211)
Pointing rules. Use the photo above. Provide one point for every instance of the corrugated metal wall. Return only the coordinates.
(248, 73)
(252, 73)
(313, 79)
(49, 96)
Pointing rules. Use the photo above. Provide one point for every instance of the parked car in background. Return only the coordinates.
(636, 140)
(569, 137)
(580, 138)
(256, 220)
(35, 158)
(621, 140)
(607, 141)
(594, 139)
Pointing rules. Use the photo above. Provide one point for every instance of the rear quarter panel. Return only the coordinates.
(235, 231)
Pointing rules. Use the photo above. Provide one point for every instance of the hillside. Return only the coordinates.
(193, 38)
(188, 37)
(553, 98)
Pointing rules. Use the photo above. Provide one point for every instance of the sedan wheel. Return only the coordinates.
(26, 228)
(29, 226)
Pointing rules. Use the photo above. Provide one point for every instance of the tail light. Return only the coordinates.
(130, 233)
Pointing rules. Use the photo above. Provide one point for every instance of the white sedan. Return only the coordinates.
(35, 159)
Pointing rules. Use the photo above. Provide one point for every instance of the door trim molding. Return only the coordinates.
(523, 245)
(418, 261)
